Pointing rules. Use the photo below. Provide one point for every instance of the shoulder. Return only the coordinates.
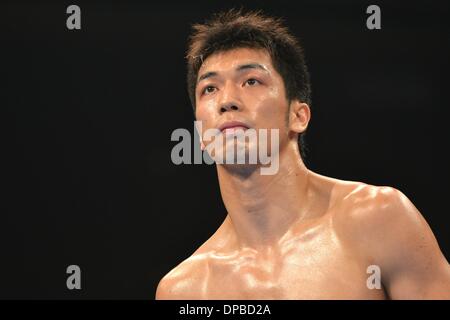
(371, 207)
(358, 202)
(185, 281)
(384, 226)
(366, 210)
(188, 280)
(369, 201)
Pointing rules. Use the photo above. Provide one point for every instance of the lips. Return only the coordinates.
(232, 126)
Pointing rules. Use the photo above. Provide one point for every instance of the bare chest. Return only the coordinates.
(318, 267)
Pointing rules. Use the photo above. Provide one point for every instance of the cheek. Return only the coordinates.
(205, 112)
(271, 110)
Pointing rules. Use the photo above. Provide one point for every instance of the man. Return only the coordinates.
(294, 234)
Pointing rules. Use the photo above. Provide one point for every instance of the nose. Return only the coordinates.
(229, 100)
(228, 107)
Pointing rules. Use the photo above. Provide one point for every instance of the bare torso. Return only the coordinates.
(315, 259)
(312, 264)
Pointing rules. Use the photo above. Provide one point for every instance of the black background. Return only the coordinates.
(87, 117)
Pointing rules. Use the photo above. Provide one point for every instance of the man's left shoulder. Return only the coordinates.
(382, 227)
(376, 204)
(376, 213)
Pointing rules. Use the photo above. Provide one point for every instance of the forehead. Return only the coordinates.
(230, 59)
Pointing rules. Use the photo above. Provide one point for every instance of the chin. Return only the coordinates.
(243, 170)
(238, 153)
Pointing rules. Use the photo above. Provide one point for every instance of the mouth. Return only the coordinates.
(232, 126)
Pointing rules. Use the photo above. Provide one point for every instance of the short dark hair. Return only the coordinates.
(235, 29)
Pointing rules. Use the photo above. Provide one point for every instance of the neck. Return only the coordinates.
(262, 208)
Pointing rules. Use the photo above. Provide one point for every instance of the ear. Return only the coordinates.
(299, 116)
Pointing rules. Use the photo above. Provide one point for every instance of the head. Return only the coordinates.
(249, 68)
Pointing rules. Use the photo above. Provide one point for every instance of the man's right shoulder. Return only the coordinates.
(185, 281)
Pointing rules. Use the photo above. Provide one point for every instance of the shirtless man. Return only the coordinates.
(295, 234)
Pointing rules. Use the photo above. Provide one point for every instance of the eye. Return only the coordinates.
(252, 82)
(209, 90)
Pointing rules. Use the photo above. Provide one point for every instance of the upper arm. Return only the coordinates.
(415, 265)
(174, 288)
(184, 282)
(396, 237)
(163, 291)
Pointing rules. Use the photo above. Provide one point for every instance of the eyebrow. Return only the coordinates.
(240, 68)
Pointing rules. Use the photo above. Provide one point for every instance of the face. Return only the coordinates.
(241, 85)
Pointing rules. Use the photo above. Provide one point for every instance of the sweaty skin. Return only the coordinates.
(298, 234)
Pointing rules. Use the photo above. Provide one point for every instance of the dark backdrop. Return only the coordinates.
(87, 117)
